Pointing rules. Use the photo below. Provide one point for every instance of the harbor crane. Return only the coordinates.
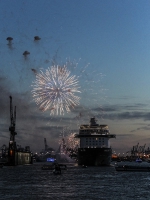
(138, 150)
(147, 151)
(46, 146)
(12, 143)
(142, 149)
(134, 150)
(12, 122)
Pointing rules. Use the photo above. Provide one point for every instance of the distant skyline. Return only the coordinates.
(105, 43)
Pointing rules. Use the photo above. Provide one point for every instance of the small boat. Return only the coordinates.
(57, 169)
(138, 160)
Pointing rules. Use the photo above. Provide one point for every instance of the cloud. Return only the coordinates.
(128, 116)
(124, 112)
(147, 128)
(122, 107)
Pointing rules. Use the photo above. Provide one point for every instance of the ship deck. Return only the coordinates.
(95, 135)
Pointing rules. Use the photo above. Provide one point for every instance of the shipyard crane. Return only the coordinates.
(134, 150)
(147, 151)
(46, 146)
(142, 149)
(138, 150)
(12, 143)
(12, 122)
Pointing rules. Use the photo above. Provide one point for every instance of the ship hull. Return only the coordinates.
(94, 156)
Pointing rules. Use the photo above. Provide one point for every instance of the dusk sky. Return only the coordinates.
(105, 43)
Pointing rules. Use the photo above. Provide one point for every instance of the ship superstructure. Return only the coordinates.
(95, 147)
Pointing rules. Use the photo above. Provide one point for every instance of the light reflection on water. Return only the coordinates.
(31, 182)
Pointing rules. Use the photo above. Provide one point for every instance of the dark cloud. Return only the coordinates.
(125, 97)
(146, 128)
(136, 106)
(124, 112)
(107, 108)
(121, 108)
(49, 128)
(128, 116)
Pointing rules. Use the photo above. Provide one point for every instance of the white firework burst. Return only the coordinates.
(55, 90)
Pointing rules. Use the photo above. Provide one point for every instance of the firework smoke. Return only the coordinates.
(72, 142)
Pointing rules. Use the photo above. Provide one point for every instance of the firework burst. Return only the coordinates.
(55, 90)
(72, 142)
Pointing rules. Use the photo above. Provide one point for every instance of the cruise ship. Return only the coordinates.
(94, 147)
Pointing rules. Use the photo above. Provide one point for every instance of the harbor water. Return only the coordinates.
(30, 182)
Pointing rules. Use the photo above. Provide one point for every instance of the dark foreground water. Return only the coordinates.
(31, 182)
